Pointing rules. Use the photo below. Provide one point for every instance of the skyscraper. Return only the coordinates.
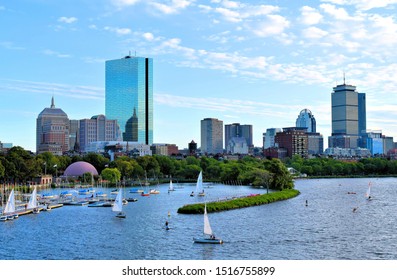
(240, 131)
(268, 137)
(306, 119)
(211, 136)
(52, 131)
(129, 95)
(348, 116)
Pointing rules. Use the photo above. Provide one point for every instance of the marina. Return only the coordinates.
(317, 224)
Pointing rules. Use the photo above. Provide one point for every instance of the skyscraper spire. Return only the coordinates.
(52, 103)
(344, 78)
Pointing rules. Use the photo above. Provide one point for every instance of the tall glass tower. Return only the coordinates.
(306, 119)
(129, 89)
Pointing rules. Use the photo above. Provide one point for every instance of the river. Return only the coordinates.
(325, 229)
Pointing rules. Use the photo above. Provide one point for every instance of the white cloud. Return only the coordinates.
(314, 33)
(363, 4)
(148, 36)
(173, 6)
(67, 19)
(122, 3)
(10, 46)
(57, 54)
(272, 25)
(310, 16)
(117, 30)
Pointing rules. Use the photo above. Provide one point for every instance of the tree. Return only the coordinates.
(112, 175)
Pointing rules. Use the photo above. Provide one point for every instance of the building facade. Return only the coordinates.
(97, 129)
(348, 116)
(269, 136)
(52, 131)
(237, 145)
(129, 97)
(306, 119)
(294, 140)
(240, 131)
(211, 136)
(315, 143)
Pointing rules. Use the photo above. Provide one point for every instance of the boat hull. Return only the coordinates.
(208, 240)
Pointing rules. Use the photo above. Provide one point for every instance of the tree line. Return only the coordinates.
(20, 166)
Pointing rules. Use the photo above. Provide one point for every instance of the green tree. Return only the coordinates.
(112, 175)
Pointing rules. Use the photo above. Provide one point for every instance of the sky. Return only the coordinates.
(247, 62)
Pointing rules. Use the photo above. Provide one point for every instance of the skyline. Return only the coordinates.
(257, 63)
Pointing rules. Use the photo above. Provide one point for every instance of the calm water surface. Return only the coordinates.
(325, 229)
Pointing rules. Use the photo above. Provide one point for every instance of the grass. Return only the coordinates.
(238, 202)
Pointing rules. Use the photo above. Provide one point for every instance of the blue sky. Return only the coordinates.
(252, 62)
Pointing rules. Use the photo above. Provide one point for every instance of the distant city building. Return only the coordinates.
(269, 136)
(294, 140)
(315, 143)
(164, 149)
(122, 146)
(74, 127)
(98, 128)
(306, 119)
(129, 97)
(211, 136)
(237, 145)
(238, 130)
(192, 146)
(348, 116)
(348, 152)
(388, 144)
(52, 131)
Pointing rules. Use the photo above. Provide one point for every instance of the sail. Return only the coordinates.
(10, 206)
(171, 188)
(368, 194)
(33, 200)
(118, 202)
(207, 226)
(199, 184)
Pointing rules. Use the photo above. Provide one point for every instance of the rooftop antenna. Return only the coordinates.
(344, 78)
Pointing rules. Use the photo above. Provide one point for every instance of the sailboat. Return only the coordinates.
(118, 205)
(199, 185)
(368, 194)
(33, 205)
(209, 236)
(171, 187)
(9, 210)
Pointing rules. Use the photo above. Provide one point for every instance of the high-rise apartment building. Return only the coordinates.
(294, 140)
(236, 130)
(98, 128)
(211, 136)
(306, 119)
(52, 131)
(129, 97)
(348, 116)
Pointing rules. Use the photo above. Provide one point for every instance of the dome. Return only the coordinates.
(79, 168)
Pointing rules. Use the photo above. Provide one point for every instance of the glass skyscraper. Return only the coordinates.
(306, 119)
(129, 89)
(211, 136)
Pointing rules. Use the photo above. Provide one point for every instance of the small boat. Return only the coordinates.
(32, 204)
(199, 185)
(101, 194)
(135, 190)
(209, 237)
(132, 199)
(97, 204)
(171, 187)
(153, 191)
(145, 194)
(118, 205)
(368, 193)
(9, 210)
(115, 191)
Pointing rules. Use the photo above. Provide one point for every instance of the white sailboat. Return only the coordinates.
(32, 204)
(118, 205)
(9, 210)
(209, 236)
(171, 187)
(368, 194)
(199, 185)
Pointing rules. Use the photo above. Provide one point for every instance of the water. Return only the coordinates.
(287, 230)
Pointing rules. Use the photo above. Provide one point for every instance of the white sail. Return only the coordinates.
(368, 194)
(10, 206)
(118, 202)
(33, 200)
(171, 187)
(207, 226)
(199, 184)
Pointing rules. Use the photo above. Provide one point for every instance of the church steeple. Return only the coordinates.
(52, 103)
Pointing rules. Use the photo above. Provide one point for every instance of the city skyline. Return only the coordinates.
(259, 63)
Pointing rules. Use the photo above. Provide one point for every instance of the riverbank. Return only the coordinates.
(237, 203)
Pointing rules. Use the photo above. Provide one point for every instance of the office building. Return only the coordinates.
(348, 116)
(52, 130)
(236, 130)
(294, 140)
(306, 119)
(269, 136)
(129, 97)
(97, 129)
(211, 136)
